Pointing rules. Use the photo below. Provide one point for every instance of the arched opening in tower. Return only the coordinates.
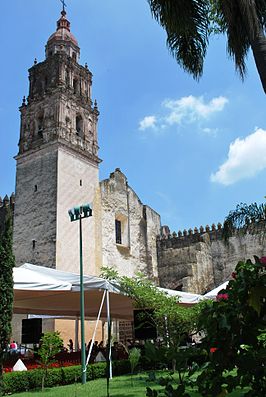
(79, 126)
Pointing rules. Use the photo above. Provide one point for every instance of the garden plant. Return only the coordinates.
(7, 261)
(235, 327)
(50, 344)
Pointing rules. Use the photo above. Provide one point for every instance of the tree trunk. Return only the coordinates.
(259, 52)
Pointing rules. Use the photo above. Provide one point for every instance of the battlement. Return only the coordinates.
(202, 234)
(5, 204)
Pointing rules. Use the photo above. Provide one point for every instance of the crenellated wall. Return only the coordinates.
(198, 260)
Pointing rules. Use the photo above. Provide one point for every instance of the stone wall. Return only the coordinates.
(34, 234)
(200, 259)
(139, 227)
(77, 182)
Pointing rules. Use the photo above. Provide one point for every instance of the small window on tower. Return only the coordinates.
(35, 188)
(75, 86)
(40, 125)
(80, 182)
(33, 244)
(118, 232)
(79, 126)
(74, 56)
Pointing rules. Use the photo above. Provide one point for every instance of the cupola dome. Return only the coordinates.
(63, 40)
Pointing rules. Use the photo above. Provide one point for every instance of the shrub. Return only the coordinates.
(235, 326)
(15, 382)
(51, 344)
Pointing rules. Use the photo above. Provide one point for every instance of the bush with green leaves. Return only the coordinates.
(15, 382)
(51, 343)
(7, 262)
(187, 362)
(234, 326)
(171, 320)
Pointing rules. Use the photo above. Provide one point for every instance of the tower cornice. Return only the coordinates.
(55, 145)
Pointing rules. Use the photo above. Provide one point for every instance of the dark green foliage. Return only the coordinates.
(187, 362)
(189, 23)
(235, 327)
(243, 217)
(7, 262)
(15, 382)
(242, 22)
(186, 26)
(172, 320)
(51, 344)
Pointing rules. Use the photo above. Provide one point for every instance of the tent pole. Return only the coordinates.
(109, 335)
(95, 329)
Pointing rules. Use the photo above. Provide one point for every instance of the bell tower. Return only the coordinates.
(57, 162)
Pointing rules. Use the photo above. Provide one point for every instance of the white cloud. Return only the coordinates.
(147, 122)
(192, 108)
(246, 158)
(189, 109)
(210, 131)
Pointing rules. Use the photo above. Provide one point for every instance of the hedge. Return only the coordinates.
(15, 382)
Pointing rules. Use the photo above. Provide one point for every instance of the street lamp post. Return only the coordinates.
(77, 214)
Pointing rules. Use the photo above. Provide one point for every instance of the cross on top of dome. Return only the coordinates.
(64, 5)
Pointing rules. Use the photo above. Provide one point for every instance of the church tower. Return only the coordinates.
(57, 163)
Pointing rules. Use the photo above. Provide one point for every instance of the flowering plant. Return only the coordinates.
(235, 324)
(221, 297)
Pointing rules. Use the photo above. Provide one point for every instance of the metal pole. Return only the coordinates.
(76, 334)
(83, 351)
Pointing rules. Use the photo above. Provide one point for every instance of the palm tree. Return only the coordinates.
(244, 217)
(188, 24)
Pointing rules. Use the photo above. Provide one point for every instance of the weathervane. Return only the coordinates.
(64, 5)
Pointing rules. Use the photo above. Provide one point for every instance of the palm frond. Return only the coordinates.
(242, 21)
(242, 217)
(186, 24)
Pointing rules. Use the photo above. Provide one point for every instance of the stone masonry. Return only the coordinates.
(58, 168)
(200, 260)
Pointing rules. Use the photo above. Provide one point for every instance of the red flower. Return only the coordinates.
(263, 260)
(213, 349)
(220, 297)
(234, 274)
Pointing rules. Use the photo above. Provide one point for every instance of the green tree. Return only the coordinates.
(172, 320)
(243, 217)
(188, 25)
(7, 262)
(51, 344)
(235, 329)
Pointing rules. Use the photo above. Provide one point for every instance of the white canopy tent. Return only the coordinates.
(213, 293)
(42, 290)
(184, 298)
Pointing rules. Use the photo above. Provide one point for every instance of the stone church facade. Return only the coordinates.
(58, 168)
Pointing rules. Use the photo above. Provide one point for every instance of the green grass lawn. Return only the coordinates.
(119, 386)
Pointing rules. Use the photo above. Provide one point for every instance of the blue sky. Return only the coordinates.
(191, 150)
